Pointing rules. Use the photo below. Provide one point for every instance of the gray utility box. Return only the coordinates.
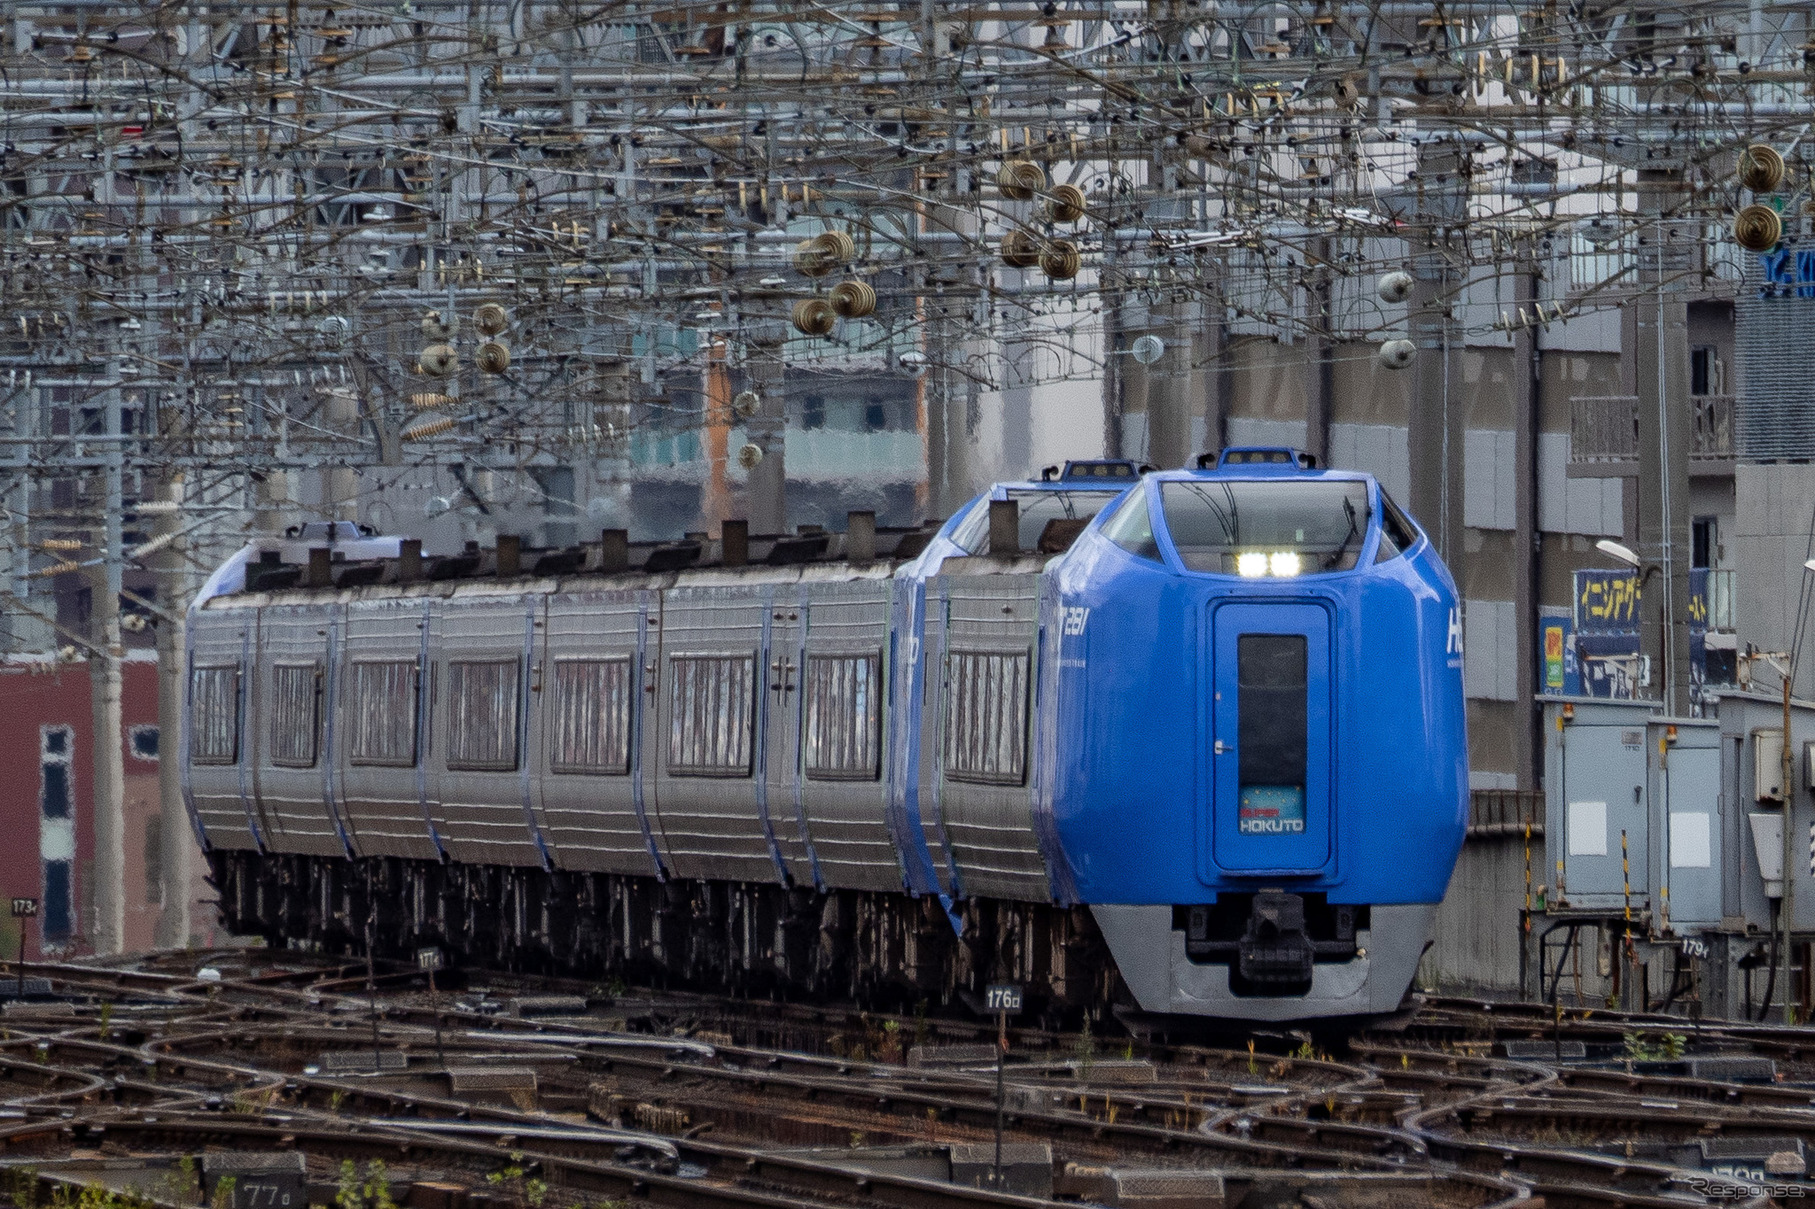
(1702, 808)
(1633, 812)
(1699, 802)
(1752, 774)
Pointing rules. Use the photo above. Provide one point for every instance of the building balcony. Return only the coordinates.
(1604, 435)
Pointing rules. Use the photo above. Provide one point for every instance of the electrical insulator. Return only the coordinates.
(1398, 354)
(1020, 179)
(429, 428)
(1068, 203)
(814, 317)
(1757, 228)
(1761, 169)
(493, 357)
(824, 252)
(439, 360)
(1020, 250)
(854, 299)
(491, 319)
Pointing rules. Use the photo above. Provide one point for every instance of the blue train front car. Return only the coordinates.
(1263, 779)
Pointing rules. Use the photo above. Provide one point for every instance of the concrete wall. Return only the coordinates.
(1774, 509)
(1475, 948)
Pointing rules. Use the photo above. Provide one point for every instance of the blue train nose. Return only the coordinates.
(1268, 796)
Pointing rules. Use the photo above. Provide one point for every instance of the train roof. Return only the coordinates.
(341, 555)
(1263, 461)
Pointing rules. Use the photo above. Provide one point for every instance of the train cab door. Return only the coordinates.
(1270, 784)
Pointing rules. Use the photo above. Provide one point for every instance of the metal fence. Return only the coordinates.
(1505, 812)
(1713, 426)
(1604, 428)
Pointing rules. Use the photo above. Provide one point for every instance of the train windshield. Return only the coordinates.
(1271, 528)
(1044, 516)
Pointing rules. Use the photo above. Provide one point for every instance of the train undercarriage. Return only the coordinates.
(881, 951)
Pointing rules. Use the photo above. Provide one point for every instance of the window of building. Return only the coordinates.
(986, 716)
(841, 729)
(57, 835)
(482, 715)
(1703, 535)
(591, 726)
(713, 703)
(57, 917)
(142, 741)
(1701, 370)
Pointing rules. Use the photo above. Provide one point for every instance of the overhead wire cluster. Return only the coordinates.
(313, 235)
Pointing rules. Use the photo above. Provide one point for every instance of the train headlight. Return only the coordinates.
(1281, 564)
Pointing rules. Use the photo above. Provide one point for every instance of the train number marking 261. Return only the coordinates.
(1075, 617)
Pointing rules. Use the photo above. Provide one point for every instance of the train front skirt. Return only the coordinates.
(1151, 954)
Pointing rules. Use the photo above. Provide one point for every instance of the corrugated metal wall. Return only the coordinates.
(1775, 407)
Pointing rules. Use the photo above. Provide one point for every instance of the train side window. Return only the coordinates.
(713, 704)
(986, 717)
(295, 714)
(381, 728)
(214, 713)
(591, 724)
(1397, 533)
(841, 730)
(482, 715)
(1131, 527)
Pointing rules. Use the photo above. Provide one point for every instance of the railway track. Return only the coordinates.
(517, 1093)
